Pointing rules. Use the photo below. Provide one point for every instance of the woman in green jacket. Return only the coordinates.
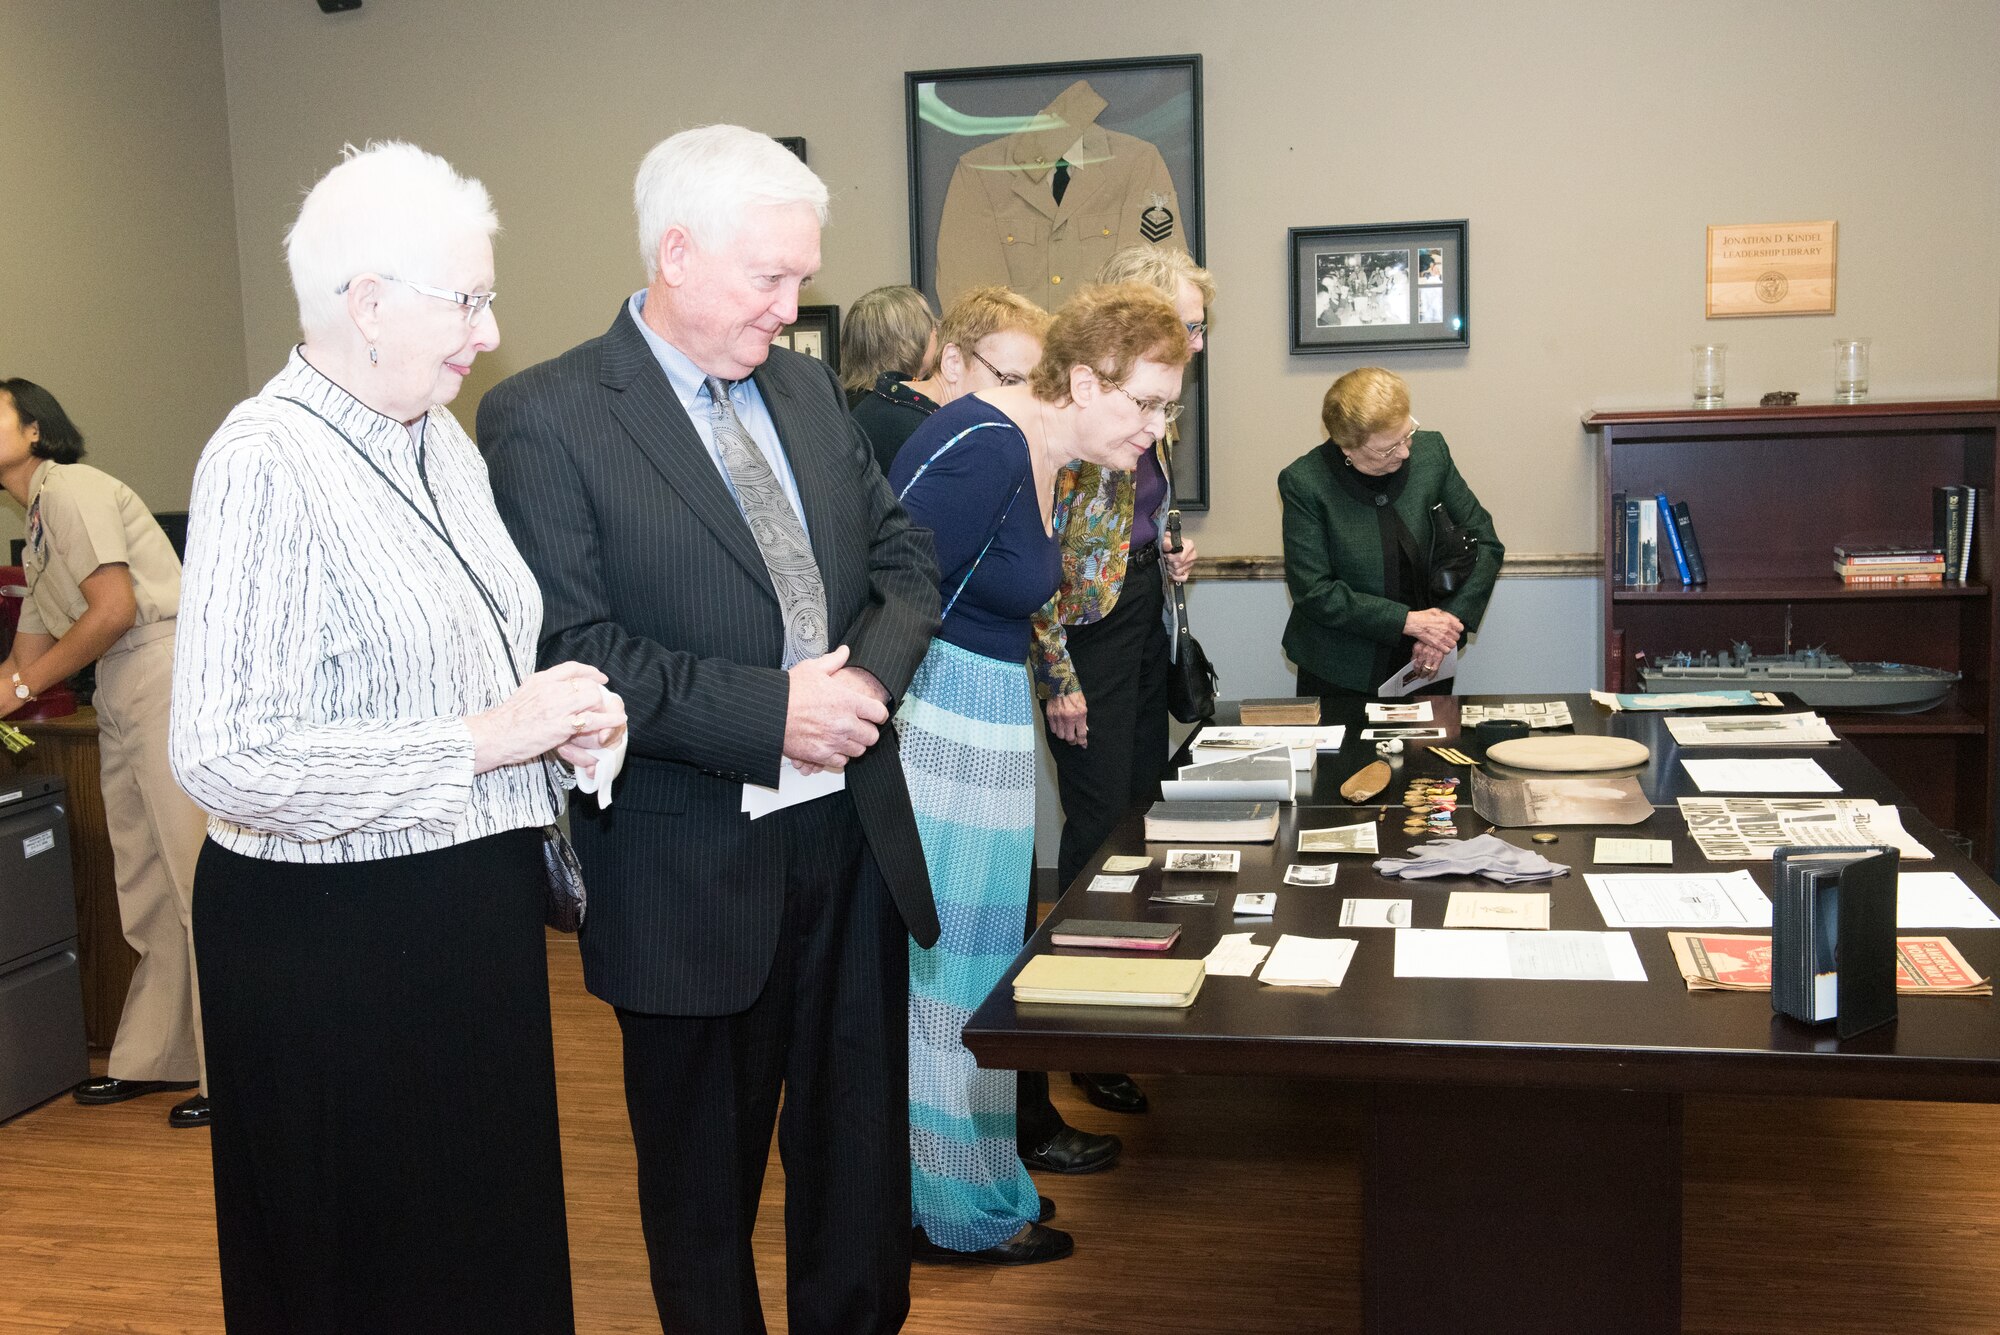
(1358, 543)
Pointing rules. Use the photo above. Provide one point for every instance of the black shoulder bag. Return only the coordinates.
(1190, 678)
(1454, 554)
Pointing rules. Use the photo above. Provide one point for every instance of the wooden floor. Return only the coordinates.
(1235, 1210)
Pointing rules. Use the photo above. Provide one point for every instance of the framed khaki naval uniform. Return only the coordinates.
(1047, 206)
(1031, 176)
(80, 519)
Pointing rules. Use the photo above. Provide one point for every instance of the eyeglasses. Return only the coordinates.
(1004, 377)
(1401, 442)
(472, 303)
(1197, 328)
(1147, 407)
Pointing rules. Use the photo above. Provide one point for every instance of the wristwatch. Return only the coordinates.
(21, 691)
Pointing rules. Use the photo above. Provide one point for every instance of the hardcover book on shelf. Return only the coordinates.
(1617, 539)
(1876, 556)
(1649, 543)
(1212, 822)
(1673, 532)
(1684, 526)
(1947, 525)
(1632, 543)
(1894, 575)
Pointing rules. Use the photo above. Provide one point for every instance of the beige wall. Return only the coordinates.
(1589, 144)
(118, 263)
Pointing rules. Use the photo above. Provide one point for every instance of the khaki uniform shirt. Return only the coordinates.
(1001, 222)
(80, 519)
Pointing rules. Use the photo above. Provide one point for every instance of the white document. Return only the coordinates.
(1497, 908)
(1752, 730)
(1534, 713)
(1760, 776)
(1730, 899)
(1597, 956)
(1635, 852)
(1413, 678)
(1308, 961)
(1939, 899)
(1376, 913)
(793, 788)
(1235, 956)
(1104, 883)
(1417, 711)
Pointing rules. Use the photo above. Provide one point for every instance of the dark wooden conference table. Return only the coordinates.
(1521, 1164)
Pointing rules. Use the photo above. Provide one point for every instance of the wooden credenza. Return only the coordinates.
(68, 747)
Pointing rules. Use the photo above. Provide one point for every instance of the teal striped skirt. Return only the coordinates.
(967, 735)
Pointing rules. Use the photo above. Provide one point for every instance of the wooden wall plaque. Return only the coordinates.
(1782, 268)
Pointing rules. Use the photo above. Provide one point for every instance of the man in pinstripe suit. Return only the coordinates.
(743, 956)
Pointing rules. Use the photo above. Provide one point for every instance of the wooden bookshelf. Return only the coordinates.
(1770, 491)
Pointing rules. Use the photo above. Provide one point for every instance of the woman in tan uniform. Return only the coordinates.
(104, 586)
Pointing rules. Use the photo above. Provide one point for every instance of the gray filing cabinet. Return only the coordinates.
(42, 1049)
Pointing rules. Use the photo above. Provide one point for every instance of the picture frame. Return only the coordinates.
(816, 334)
(985, 163)
(1382, 287)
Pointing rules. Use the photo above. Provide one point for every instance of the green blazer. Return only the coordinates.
(1333, 560)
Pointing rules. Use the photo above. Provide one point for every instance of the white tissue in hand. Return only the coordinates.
(610, 759)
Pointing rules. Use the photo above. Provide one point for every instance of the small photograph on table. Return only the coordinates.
(1405, 734)
(1222, 860)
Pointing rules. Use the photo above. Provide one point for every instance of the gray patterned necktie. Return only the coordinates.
(776, 527)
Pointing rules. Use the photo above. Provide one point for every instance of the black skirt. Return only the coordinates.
(385, 1141)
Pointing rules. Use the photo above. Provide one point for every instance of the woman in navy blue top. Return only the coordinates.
(980, 474)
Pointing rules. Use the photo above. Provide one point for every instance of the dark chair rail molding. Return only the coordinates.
(1529, 565)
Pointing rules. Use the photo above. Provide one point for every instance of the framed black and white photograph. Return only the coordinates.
(1031, 176)
(816, 334)
(1379, 287)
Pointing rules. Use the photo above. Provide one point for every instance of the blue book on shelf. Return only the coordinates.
(1674, 541)
(1632, 542)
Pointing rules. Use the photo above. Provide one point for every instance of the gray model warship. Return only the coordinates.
(1821, 679)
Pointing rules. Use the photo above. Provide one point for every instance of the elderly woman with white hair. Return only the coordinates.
(355, 707)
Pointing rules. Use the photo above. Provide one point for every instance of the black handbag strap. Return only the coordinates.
(443, 535)
(998, 524)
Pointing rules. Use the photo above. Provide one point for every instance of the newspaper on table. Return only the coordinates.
(1805, 729)
(1748, 829)
(1534, 713)
(1727, 962)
